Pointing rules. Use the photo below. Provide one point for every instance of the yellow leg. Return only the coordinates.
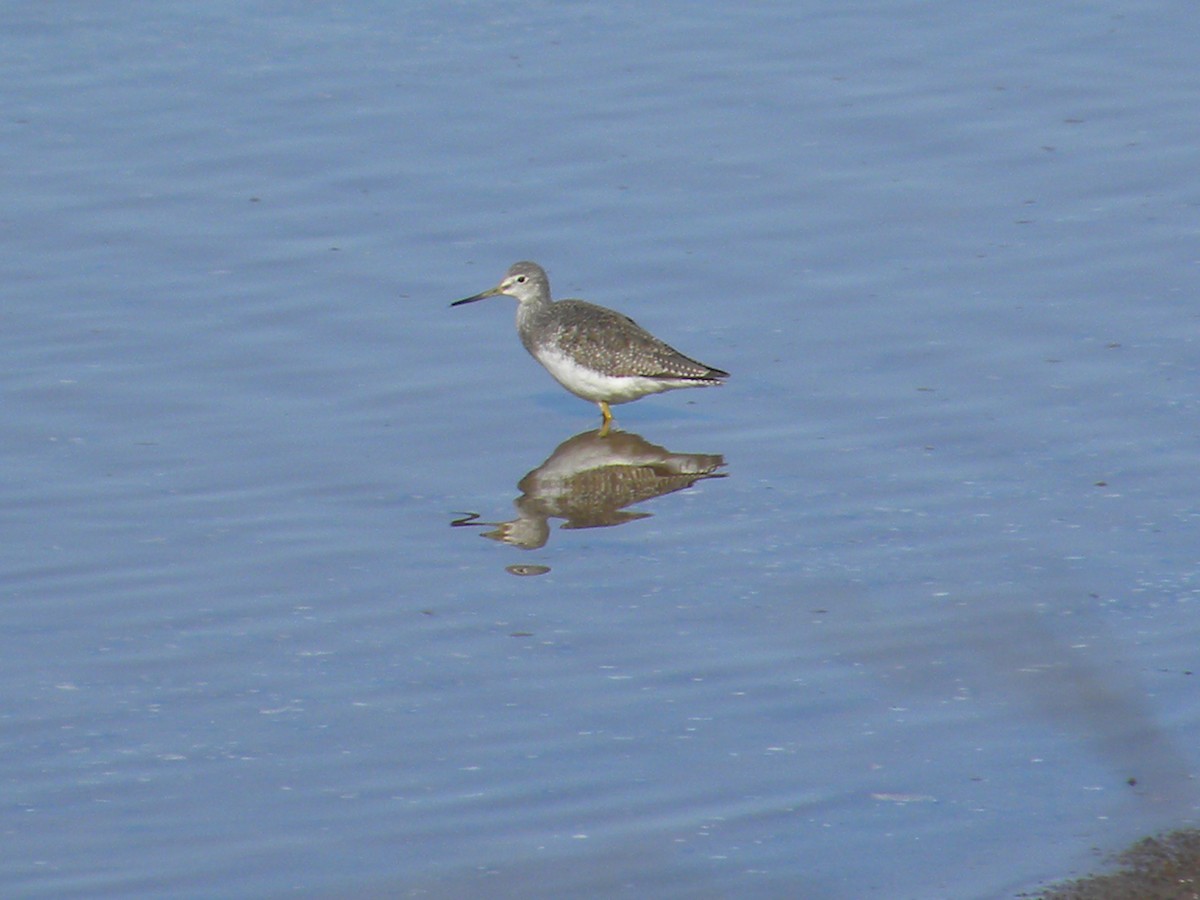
(607, 413)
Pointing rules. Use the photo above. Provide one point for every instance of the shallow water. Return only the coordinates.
(932, 635)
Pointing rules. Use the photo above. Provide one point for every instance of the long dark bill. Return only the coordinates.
(492, 292)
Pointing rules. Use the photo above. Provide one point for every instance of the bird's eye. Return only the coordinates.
(520, 279)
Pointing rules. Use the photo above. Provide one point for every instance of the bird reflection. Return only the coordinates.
(589, 480)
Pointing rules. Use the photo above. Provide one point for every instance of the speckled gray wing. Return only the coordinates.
(610, 342)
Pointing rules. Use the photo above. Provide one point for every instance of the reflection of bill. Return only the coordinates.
(590, 479)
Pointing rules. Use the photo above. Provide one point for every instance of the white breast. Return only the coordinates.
(596, 386)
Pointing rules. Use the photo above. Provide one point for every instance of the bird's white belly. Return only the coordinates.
(596, 386)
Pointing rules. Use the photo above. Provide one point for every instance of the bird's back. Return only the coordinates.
(608, 341)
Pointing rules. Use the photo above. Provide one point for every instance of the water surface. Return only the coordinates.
(933, 635)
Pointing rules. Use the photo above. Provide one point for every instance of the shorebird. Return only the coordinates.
(595, 353)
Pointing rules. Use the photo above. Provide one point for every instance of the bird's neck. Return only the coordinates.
(530, 311)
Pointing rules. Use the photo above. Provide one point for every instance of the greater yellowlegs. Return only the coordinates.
(595, 353)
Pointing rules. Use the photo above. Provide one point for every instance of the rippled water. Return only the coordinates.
(930, 633)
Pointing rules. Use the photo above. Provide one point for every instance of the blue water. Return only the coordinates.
(917, 643)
